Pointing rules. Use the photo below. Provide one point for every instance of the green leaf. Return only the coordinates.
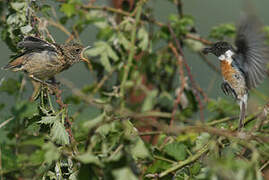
(105, 33)
(144, 39)
(194, 45)
(158, 166)
(150, 100)
(10, 86)
(105, 62)
(51, 152)
(93, 122)
(46, 9)
(25, 109)
(176, 150)
(59, 133)
(89, 158)
(68, 9)
(124, 41)
(105, 51)
(221, 31)
(195, 168)
(26, 29)
(123, 174)
(139, 150)
(18, 5)
(49, 119)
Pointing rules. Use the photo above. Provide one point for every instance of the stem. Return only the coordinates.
(187, 161)
(131, 55)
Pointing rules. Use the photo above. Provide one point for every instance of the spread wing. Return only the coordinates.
(252, 50)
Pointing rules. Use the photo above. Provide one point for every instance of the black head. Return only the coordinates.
(218, 48)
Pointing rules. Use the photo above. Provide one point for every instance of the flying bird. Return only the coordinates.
(243, 67)
(42, 60)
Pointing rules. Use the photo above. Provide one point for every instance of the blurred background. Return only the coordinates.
(132, 126)
(206, 14)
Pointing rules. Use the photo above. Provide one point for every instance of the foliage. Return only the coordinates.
(137, 120)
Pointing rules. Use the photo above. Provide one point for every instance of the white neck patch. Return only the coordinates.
(227, 56)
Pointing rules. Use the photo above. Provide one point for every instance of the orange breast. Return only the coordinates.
(227, 70)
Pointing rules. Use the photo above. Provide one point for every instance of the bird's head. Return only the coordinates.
(74, 52)
(218, 49)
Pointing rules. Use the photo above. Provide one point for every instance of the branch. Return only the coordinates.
(78, 93)
(131, 54)
(194, 85)
(185, 162)
(182, 81)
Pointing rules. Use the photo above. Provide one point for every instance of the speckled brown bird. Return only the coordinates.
(42, 60)
(243, 67)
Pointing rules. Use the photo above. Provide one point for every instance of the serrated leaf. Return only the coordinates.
(105, 62)
(124, 42)
(18, 5)
(176, 150)
(111, 53)
(139, 150)
(49, 119)
(93, 122)
(26, 29)
(59, 133)
(89, 158)
(97, 50)
(144, 38)
(123, 174)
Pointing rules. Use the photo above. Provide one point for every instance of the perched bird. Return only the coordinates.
(42, 60)
(243, 67)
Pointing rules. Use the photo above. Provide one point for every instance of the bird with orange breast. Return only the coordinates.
(243, 67)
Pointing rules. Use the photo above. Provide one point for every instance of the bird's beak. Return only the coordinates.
(82, 56)
(207, 50)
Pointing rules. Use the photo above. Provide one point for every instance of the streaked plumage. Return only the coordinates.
(42, 60)
(242, 68)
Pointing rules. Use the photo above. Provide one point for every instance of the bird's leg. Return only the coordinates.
(53, 81)
(36, 92)
(242, 114)
(243, 108)
(39, 80)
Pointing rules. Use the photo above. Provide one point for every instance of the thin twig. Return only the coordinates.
(164, 159)
(78, 93)
(182, 81)
(103, 80)
(198, 38)
(6, 122)
(194, 85)
(61, 27)
(185, 162)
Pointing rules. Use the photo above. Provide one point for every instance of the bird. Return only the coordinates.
(42, 60)
(243, 66)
